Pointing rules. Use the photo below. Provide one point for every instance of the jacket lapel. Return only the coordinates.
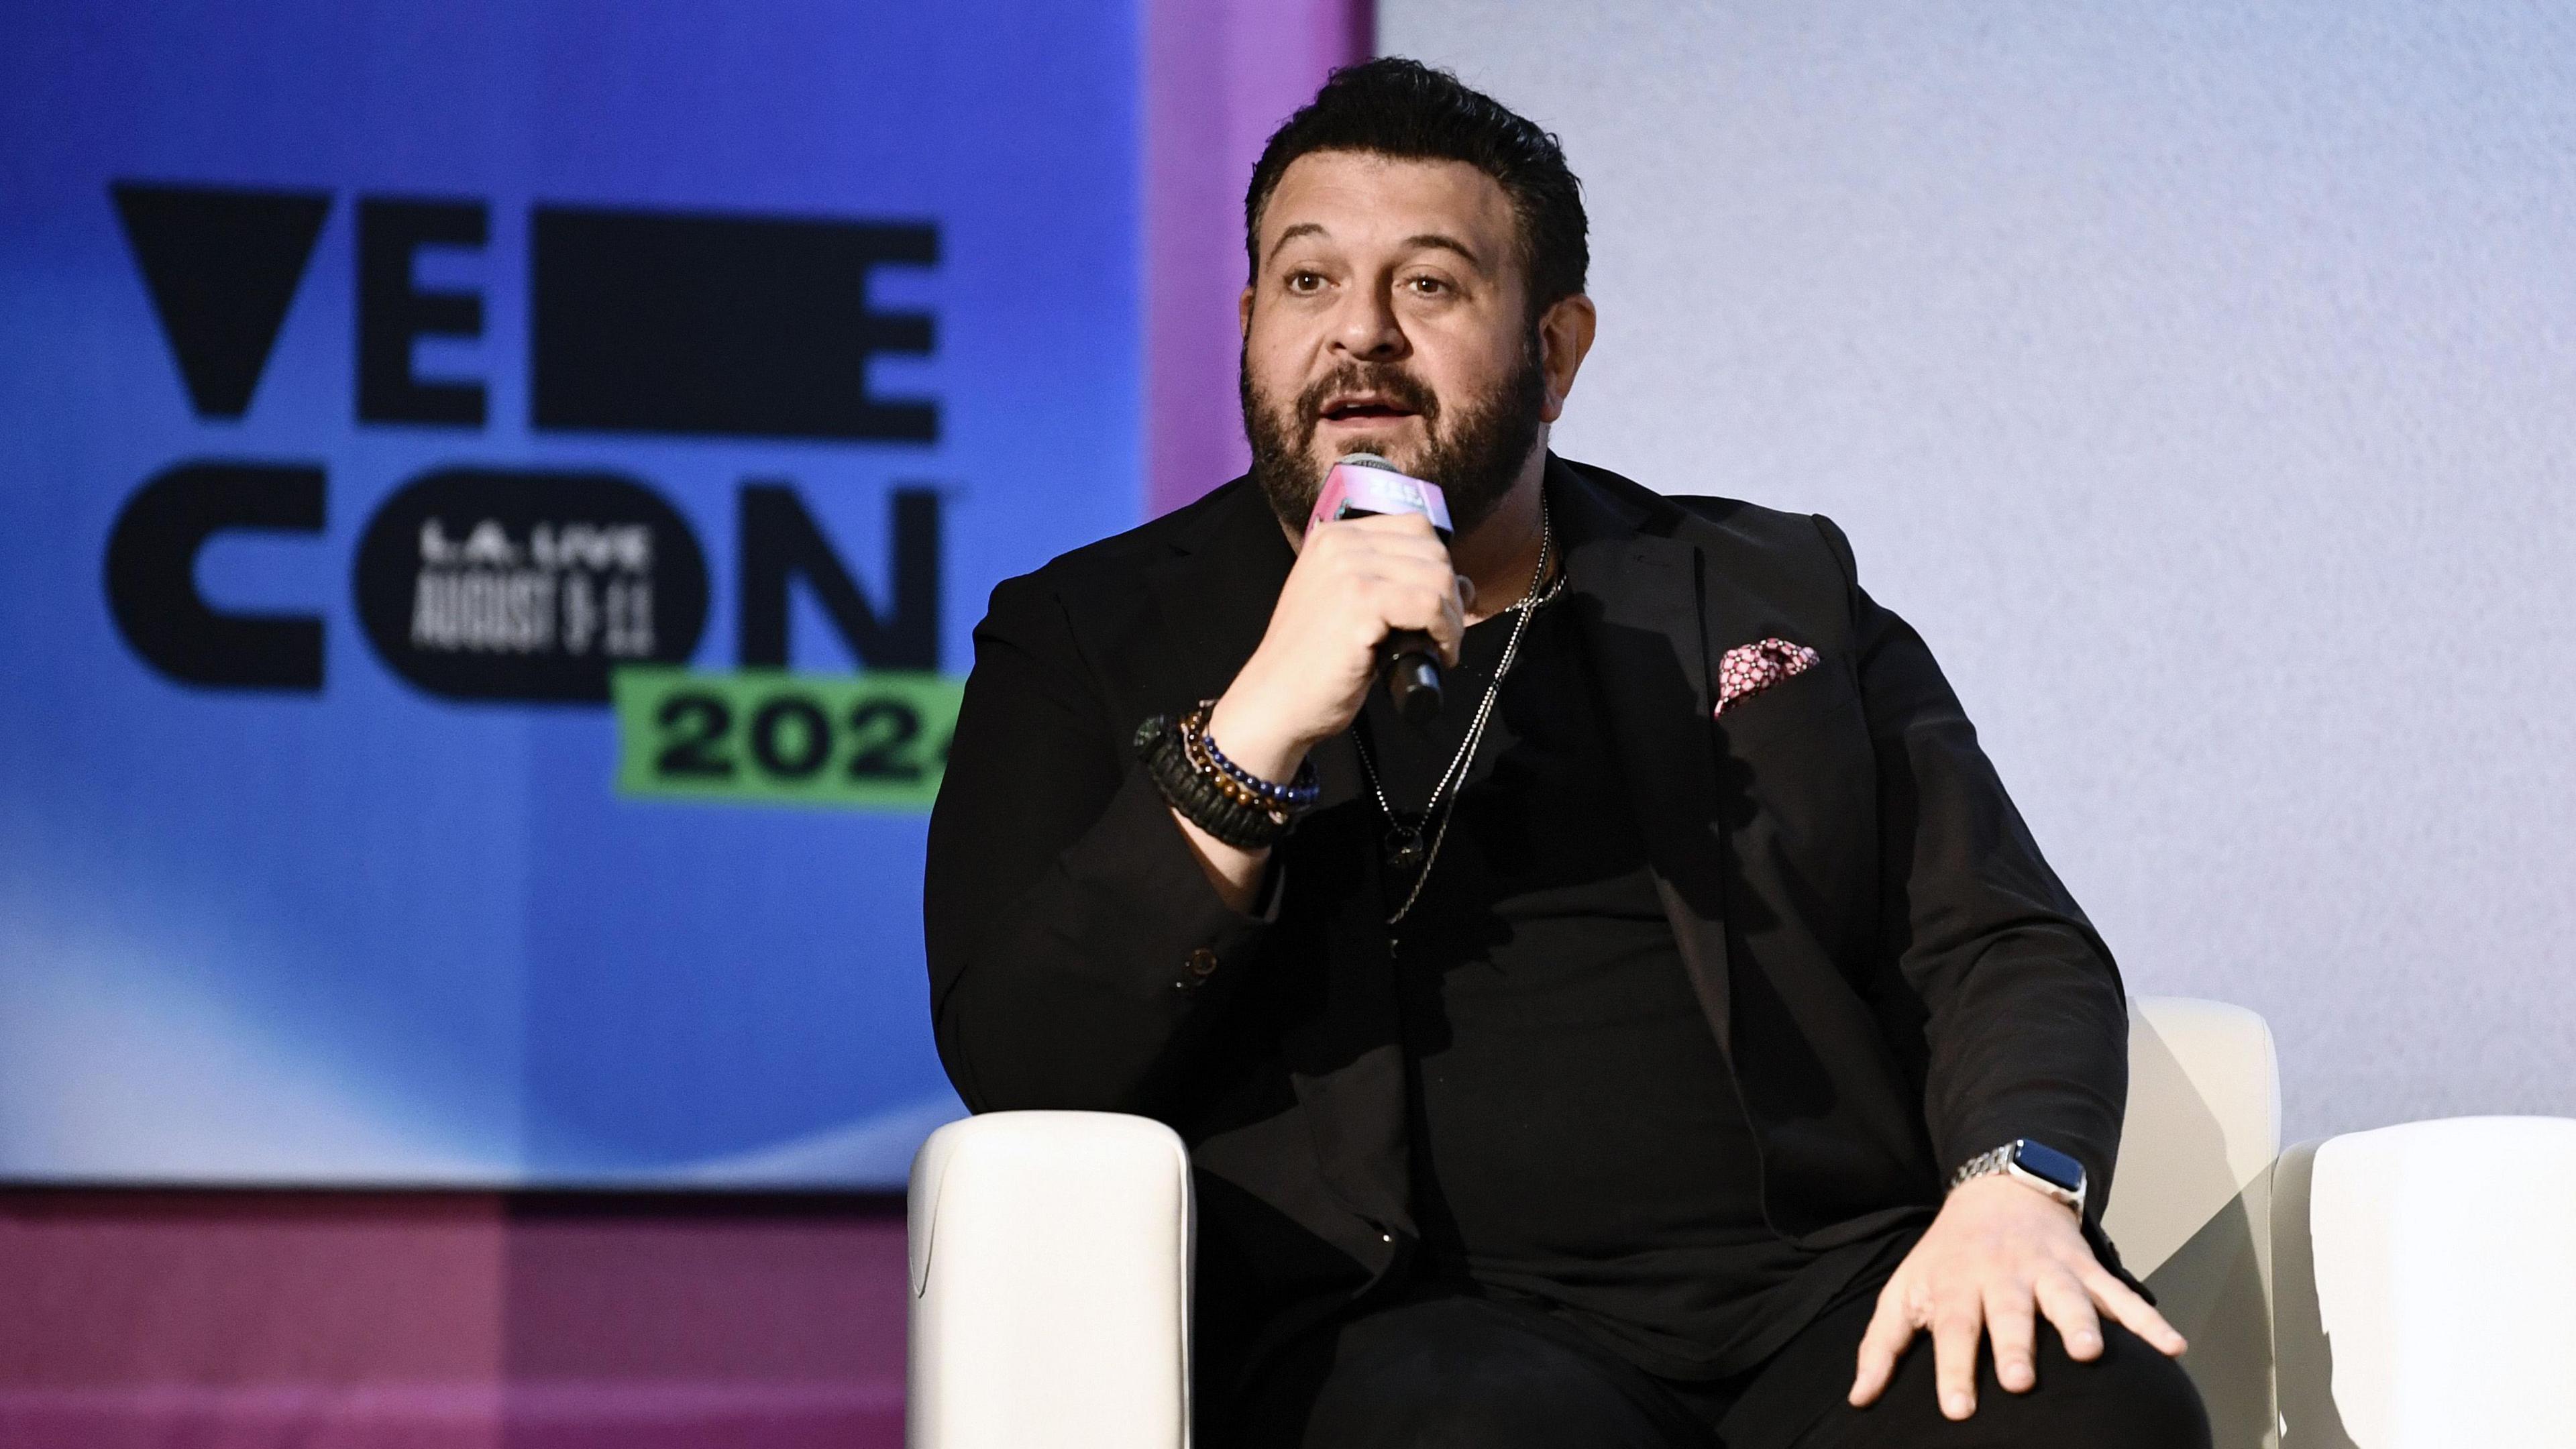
(1642, 592)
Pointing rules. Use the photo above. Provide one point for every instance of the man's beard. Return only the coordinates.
(1475, 461)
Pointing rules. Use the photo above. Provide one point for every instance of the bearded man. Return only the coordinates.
(1642, 1053)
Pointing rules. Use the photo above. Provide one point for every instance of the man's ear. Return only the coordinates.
(1243, 312)
(1564, 336)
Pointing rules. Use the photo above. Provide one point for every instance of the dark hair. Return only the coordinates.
(1406, 110)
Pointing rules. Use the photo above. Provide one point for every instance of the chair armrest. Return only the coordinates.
(2204, 1122)
(2190, 1198)
(1050, 1284)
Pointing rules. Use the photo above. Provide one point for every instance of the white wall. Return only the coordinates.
(2203, 384)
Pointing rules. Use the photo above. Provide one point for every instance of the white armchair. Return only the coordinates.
(1051, 1253)
(2423, 1279)
(1050, 1284)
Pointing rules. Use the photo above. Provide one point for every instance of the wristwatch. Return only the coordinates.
(2033, 1163)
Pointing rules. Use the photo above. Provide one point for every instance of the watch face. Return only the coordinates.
(2049, 1165)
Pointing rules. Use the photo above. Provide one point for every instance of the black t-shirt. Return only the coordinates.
(1577, 1139)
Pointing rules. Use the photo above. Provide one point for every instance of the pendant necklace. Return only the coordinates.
(1405, 847)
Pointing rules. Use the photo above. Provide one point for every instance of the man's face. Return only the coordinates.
(1389, 316)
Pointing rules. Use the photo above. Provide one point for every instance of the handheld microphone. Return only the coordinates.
(1362, 484)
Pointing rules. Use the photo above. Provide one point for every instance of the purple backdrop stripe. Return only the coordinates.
(456, 1416)
(1220, 75)
(450, 1320)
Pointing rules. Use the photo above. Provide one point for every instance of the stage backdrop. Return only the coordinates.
(2198, 378)
(497, 498)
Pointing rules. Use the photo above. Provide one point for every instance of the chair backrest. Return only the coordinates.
(2423, 1278)
(2190, 1206)
(1050, 1284)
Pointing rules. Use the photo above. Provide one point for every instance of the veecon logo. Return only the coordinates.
(503, 585)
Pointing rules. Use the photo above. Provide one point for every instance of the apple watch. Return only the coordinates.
(2034, 1164)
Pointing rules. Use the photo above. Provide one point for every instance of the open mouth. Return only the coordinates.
(1364, 410)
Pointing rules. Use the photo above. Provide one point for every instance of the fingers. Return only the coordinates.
(1354, 582)
(1400, 542)
(1401, 577)
(2063, 1298)
(1408, 601)
(2010, 1325)
(1408, 532)
(1402, 523)
(1988, 1268)
(1956, 1322)
(1453, 620)
(1890, 1331)
(2133, 1312)
(1359, 540)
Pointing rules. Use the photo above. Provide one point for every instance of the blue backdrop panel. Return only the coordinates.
(378, 385)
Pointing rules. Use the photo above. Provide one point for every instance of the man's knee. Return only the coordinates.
(2131, 1397)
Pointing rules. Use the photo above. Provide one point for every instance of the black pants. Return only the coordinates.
(1455, 1372)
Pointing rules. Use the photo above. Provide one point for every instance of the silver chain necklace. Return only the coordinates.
(1406, 847)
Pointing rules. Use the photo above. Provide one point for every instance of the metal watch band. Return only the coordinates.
(2005, 1161)
(1984, 1164)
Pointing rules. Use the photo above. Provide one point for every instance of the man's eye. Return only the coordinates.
(1427, 286)
(1304, 281)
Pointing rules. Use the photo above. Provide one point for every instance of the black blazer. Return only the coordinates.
(1898, 979)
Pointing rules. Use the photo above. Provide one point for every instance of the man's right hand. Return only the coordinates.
(1355, 582)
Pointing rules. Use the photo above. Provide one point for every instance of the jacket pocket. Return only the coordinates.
(1800, 701)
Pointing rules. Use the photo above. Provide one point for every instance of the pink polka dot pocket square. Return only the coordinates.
(1748, 669)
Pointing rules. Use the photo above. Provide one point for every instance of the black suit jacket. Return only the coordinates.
(1898, 979)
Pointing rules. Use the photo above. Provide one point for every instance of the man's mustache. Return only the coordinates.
(1393, 384)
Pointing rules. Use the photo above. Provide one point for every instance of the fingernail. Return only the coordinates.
(1956, 1405)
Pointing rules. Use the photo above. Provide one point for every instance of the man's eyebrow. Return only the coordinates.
(1447, 244)
(1429, 239)
(1303, 228)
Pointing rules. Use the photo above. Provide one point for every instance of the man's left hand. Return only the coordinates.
(1998, 1255)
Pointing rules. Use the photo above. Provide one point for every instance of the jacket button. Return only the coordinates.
(1202, 962)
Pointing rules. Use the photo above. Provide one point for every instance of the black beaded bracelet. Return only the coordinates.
(1197, 796)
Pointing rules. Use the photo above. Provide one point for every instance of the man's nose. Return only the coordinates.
(1366, 328)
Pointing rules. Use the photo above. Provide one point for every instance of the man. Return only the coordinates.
(1638, 1053)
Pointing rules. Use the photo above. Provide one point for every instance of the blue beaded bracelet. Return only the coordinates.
(1296, 795)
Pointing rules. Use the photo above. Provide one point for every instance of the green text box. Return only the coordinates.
(769, 737)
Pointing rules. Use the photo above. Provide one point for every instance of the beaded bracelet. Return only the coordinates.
(1197, 793)
(1221, 783)
(1296, 795)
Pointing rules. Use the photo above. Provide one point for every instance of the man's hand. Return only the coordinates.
(1998, 1250)
(1355, 582)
